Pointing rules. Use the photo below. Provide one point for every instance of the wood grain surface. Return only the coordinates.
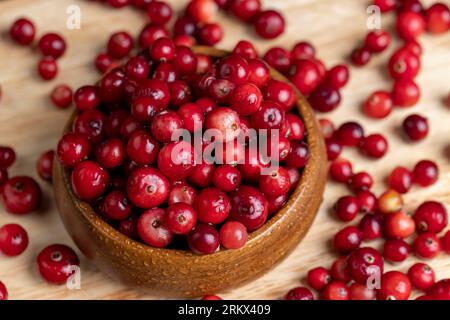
(32, 125)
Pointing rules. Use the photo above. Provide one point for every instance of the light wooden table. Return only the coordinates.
(32, 125)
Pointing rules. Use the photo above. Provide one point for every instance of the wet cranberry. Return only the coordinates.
(394, 286)
(371, 227)
(164, 125)
(361, 181)
(181, 218)
(162, 49)
(52, 44)
(227, 178)
(398, 225)
(437, 18)
(378, 105)
(147, 187)
(430, 216)
(47, 68)
(350, 134)
(13, 239)
(137, 67)
(158, 90)
(184, 194)
(204, 239)
(405, 93)
(21, 195)
(400, 179)
(245, 49)
(44, 165)
(363, 263)
(276, 183)
(201, 10)
(159, 12)
(421, 276)
(7, 157)
(360, 56)
(86, 98)
(212, 206)
(305, 75)
(246, 99)
(425, 173)
(152, 228)
(116, 206)
(416, 127)
(334, 148)
(396, 250)
(22, 31)
(385, 5)
(389, 201)
(377, 41)
(339, 270)
(120, 44)
(335, 291)
(303, 50)
(258, 72)
(56, 263)
(427, 245)
(278, 58)
(233, 235)
(225, 121)
(110, 153)
(374, 145)
(347, 239)
(361, 292)
(410, 25)
(318, 278)
(249, 207)
(298, 156)
(341, 170)
(185, 61)
(210, 34)
(180, 93)
(441, 290)
(299, 293)
(61, 96)
(269, 24)
(410, 5)
(72, 149)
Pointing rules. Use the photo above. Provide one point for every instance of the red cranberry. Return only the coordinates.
(118, 3)
(245, 49)
(163, 49)
(44, 165)
(335, 291)
(233, 235)
(137, 67)
(91, 123)
(158, 90)
(361, 181)
(210, 34)
(120, 44)
(185, 194)
(427, 245)
(3, 292)
(405, 93)
(341, 170)
(180, 218)
(445, 241)
(201, 10)
(441, 290)
(129, 227)
(245, 10)
(394, 286)
(211, 297)
(56, 263)
(104, 62)
(249, 206)
(325, 98)
(86, 98)
(414, 47)
(360, 57)
(430, 216)
(363, 263)
(404, 65)
(152, 228)
(89, 180)
(410, 25)
(338, 76)
(305, 75)
(339, 270)
(204, 239)
(3, 176)
(400, 179)
(425, 173)
(110, 153)
(421, 276)
(298, 157)
(276, 183)
(371, 227)
(233, 68)
(164, 125)
(176, 159)
(347, 239)
(22, 31)
(398, 225)
(142, 148)
(143, 109)
(61, 96)
(180, 93)
(202, 175)
(225, 121)
(318, 278)
(212, 206)
(350, 134)
(437, 18)
(299, 293)
(389, 201)
(377, 41)
(269, 116)
(21, 195)
(251, 168)
(159, 12)
(346, 208)
(385, 5)
(378, 105)
(303, 50)
(147, 187)
(296, 127)
(221, 90)
(410, 5)
(246, 99)
(150, 33)
(269, 24)
(116, 206)
(13, 239)
(184, 40)
(258, 72)
(191, 116)
(327, 127)
(185, 61)
(111, 88)
(47, 68)
(227, 178)
(416, 127)
(276, 203)
(361, 292)
(281, 93)
(367, 201)
(278, 58)
(72, 149)
(374, 145)
(396, 250)
(52, 44)
(334, 148)
(7, 157)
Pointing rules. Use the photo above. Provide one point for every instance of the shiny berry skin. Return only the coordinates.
(47, 68)
(430, 216)
(414, 47)
(44, 165)
(398, 225)
(56, 263)
(137, 67)
(233, 68)
(378, 105)
(22, 31)
(220, 90)
(339, 270)
(269, 24)
(104, 62)
(21, 195)
(184, 193)
(364, 262)
(52, 44)
(410, 25)
(427, 245)
(421, 276)
(204, 239)
(150, 33)
(90, 123)
(249, 206)
(299, 155)
(245, 49)
(441, 290)
(142, 148)
(233, 235)
(180, 93)
(360, 57)
(129, 227)
(361, 181)
(181, 218)
(385, 5)
(347, 239)
(13, 239)
(184, 40)
(202, 175)
(405, 93)
(410, 5)
(396, 250)
(367, 201)
(276, 183)
(61, 96)
(86, 98)
(163, 49)
(338, 76)
(246, 99)
(245, 10)
(89, 180)
(212, 206)
(7, 157)
(110, 153)
(201, 10)
(296, 127)
(400, 179)
(258, 72)
(164, 125)
(120, 44)
(361, 292)
(341, 170)
(416, 127)
(425, 173)
(276, 203)
(404, 64)
(225, 121)
(227, 178)
(269, 116)
(346, 208)
(325, 98)
(152, 228)
(116, 206)
(377, 41)
(185, 61)
(305, 75)
(191, 116)
(176, 160)
(389, 201)
(159, 12)
(335, 291)
(72, 149)
(374, 145)
(210, 34)
(147, 187)
(371, 226)
(327, 127)
(299, 293)
(437, 18)
(303, 50)
(144, 109)
(350, 134)
(394, 286)
(318, 278)
(445, 241)
(118, 3)
(278, 58)
(280, 92)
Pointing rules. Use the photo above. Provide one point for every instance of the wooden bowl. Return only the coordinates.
(182, 273)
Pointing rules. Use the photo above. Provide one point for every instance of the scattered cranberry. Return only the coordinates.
(346, 208)
(61, 96)
(7, 157)
(416, 127)
(363, 263)
(430, 216)
(374, 145)
(120, 44)
(377, 41)
(13, 239)
(72, 149)
(318, 278)
(339, 270)
(334, 148)
(400, 179)
(360, 56)
(441, 290)
(350, 134)
(421, 276)
(341, 170)
(204, 239)
(347, 239)
(159, 12)
(361, 181)
(371, 227)
(303, 50)
(335, 291)
(22, 31)
(367, 201)
(47, 68)
(56, 263)
(210, 34)
(405, 93)
(299, 293)
(338, 76)
(245, 10)
(425, 173)
(404, 64)
(104, 62)
(427, 245)
(361, 292)
(86, 98)
(394, 286)
(269, 24)
(249, 206)
(279, 58)
(437, 18)
(44, 165)
(21, 195)
(378, 105)
(325, 98)
(233, 235)
(410, 25)
(52, 44)
(201, 10)
(396, 250)
(385, 5)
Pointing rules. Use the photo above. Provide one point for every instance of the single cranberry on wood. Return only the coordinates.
(56, 263)
(20, 195)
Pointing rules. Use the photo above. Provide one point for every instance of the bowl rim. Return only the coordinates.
(308, 172)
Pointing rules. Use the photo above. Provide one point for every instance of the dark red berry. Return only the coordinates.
(212, 206)
(346, 208)
(249, 206)
(325, 98)
(318, 278)
(378, 105)
(204, 239)
(360, 56)
(350, 134)
(341, 170)
(13, 239)
(394, 286)
(181, 218)
(377, 41)
(110, 153)
(120, 44)
(47, 68)
(116, 206)
(363, 263)
(371, 226)
(415, 127)
(56, 263)
(159, 12)
(7, 157)
(176, 160)
(61, 96)
(361, 292)
(72, 149)
(425, 173)
(210, 34)
(86, 98)
(227, 178)
(52, 44)
(269, 24)
(89, 180)
(430, 216)
(22, 31)
(21, 195)
(421, 276)
(400, 179)
(44, 165)
(339, 270)
(427, 245)
(245, 10)
(147, 187)
(361, 181)
(396, 250)
(152, 228)
(233, 235)
(303, 50)
(405, 93)
(374, 145)
(299, 293)
(347, 239)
